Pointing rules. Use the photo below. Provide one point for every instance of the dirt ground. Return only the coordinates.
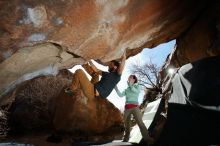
(41, 140)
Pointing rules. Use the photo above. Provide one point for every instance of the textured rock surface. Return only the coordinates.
(202, 39)
(42, 104)
(78, 113)
(39, 38)
(28, 63)
(32, 103)
(83, 27)
(59, 34)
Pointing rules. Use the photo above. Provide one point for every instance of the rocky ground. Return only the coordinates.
(46, 138)
(41, 139)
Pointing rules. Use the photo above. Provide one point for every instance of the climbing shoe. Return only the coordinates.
(69, 91)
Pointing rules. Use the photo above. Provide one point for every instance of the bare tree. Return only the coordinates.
(148, 75)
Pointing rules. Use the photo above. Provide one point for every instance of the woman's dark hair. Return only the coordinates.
(116, 63)
(135, 78)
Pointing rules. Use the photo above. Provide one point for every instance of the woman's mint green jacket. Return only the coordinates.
(131, 93)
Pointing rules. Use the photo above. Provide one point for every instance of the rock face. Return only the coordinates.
(78, 113)
(41, 37)
(201, 40)
(83, 27)
(41, 103)
(32, 102)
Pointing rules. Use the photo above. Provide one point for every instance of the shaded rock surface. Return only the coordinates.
(32, 102)
(42, 105)
(3, 123)
(200, 40)
(41, 37)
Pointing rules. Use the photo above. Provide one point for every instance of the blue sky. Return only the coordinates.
(157, 55)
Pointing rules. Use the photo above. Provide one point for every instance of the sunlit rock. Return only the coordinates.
(75, 112)
(84, 30)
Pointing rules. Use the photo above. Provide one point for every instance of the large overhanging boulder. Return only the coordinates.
(41, 37)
